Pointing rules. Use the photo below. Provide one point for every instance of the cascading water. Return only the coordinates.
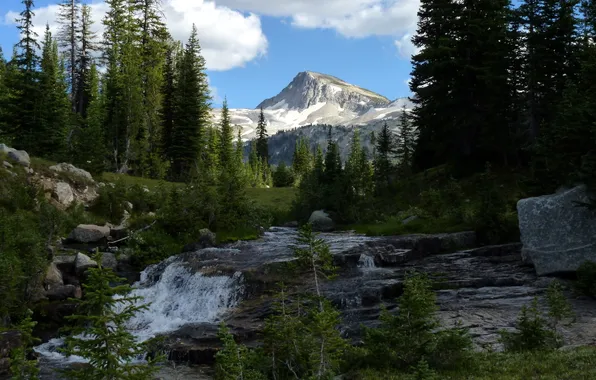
(366, 262)
(177, 295)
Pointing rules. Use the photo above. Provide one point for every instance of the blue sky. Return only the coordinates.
(254, 49)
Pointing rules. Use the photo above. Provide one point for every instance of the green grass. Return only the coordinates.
(575, 364)
(275, 197)
(394, 226)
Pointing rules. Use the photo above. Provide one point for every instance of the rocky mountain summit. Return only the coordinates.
(314, 98)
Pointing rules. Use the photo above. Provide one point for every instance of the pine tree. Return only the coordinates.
(55, 111)
(383, 165)
(102, 314)
(153, 37)
(432, 81)
(357, 179)
(212, 166)
(301, 159)
(168, 91)
(192, 110)
(86, 45)
(406, 142)
(262, 147)
(68, 18)
(24, 86)
(226, 139)
(91, 152)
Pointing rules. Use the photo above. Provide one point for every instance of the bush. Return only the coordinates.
(532, 332)
(411, 336)
(283, 176)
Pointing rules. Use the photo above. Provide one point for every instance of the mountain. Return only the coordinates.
(314, 99)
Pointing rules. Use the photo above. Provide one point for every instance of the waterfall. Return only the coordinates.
(177, 295)
(366, 261)
(181, 297)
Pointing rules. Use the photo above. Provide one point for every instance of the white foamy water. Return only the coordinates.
(366, 261)
(177, 296)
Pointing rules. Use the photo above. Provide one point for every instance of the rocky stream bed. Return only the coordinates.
(483, 288)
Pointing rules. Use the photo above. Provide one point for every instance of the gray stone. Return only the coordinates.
(62, 292)
(321, 221)
(20, 157)
(6, 149)
(65, 263)
(69, 168)
(128, 206)
(108, 260)
(410, 219)
(83, 262)
(53, 277)
(557, 234)
(206, 239)
(63, 193)
(89, 233)
(7, 165)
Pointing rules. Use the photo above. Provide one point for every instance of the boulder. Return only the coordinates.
(9, 340)
(206, 239)
(63, 292)
(69, 168)
(65, 263)
(557, 234)
(63, 193)
(20, 157)
(83, 262)
(410, 219)
(6, 149)
(321, 221)
(53, 277)
(108, 260)
(89, 233)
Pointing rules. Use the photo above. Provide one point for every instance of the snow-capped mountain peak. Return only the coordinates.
(309, 88)
(316, 98)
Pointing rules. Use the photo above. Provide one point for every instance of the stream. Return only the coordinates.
(189, 294)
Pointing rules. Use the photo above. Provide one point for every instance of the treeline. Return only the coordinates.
(506, 84)
(132, 101)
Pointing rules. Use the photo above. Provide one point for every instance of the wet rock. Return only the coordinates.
(89, 233)
(321, 221)
(53, 277)
(63, 193)
(558, 236)
(206, 239)
(71, 169)
(82, 263)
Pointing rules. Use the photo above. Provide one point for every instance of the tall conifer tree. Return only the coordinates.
(262, 147)
(69, 20)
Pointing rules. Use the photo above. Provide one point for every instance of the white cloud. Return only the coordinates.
(228, 38)
(350, 18)
(405, 47)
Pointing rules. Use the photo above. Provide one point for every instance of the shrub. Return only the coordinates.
(410, 336)
(532, 332)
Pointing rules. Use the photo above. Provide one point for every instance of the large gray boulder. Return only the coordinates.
(89, 233)
(19, 156)
(321, 221)
(206, 239)
(69, 168)
(557, 234)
